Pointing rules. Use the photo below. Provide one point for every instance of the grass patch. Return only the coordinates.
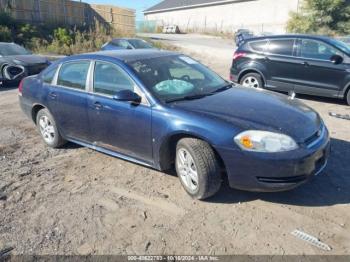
(162, 45)
(50, 39)
(56, 39)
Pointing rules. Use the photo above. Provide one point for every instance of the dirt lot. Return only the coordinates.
(78, 201)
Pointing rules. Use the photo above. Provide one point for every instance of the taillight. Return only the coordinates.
(20, 87)
(238, 55)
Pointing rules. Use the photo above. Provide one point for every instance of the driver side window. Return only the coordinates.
(317, 50)
(109, 79)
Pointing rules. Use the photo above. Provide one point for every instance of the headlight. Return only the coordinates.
(263, 141)
(17, 62)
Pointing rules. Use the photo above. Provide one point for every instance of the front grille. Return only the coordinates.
(36, 69)
(310, 141)
(282, 180)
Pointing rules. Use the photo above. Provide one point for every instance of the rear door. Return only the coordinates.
(317, 75)
(281, 63)
(120, 126)
(67, 99)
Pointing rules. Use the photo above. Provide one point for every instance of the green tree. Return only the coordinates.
(330, 17)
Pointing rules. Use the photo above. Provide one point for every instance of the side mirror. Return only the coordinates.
(129, 47)
(127, 95)
(336, 59)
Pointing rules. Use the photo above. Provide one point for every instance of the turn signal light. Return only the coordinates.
(247, 142)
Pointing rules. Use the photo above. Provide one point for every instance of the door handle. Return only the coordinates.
(53, 95)
(98, 106)
(305, 63)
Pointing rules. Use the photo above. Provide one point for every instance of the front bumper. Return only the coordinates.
(266, 172)
(9, 83)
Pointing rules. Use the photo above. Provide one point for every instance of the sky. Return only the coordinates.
(139, 5)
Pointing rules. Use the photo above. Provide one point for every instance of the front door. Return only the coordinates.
(317, 75)
(123, 127)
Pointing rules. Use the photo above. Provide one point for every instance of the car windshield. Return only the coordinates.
(140, 44)
(12, 49)
(342, 46)
(178, 77)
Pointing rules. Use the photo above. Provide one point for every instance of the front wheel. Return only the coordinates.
(198, 168)
(48, 129)
(252, 80)
(348, 97)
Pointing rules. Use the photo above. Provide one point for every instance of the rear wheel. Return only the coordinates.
(198, 168)
(252, 80)
(48, 129)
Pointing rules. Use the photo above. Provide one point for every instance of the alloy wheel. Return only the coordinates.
(47, 129)
(251, 82)
(187, 169)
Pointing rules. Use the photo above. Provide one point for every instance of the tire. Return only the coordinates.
(252, 80)
(204, 162)
(348, 97)
(50, 133)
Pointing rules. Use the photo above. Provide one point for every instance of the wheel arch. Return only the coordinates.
(35, 109)
(346, 90)
(250, 70)
(167, 149)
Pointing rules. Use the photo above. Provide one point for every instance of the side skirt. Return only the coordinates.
(111, 153)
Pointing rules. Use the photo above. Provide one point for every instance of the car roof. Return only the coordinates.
(127, 39)
(7, 43)
(316, 37)
(125, 55)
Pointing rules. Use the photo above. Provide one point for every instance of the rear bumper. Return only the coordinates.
(25, 106)
(234, 78)
(274, 172)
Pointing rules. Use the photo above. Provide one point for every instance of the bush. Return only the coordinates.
(5, 34)
(73, 41)
(62, 36)
(50, 38)
(25, 33)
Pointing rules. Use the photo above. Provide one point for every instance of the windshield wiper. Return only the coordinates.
(223, 88)
(191, 97)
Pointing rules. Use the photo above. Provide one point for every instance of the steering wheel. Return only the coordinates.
(185, 78)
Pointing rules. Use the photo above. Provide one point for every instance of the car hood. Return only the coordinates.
(27, 59)
(263, 110)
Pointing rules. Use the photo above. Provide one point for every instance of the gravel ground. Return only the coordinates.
(78, 201)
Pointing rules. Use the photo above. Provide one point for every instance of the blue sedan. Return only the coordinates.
(164, 110)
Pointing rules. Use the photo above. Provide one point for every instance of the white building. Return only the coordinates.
(224, 15)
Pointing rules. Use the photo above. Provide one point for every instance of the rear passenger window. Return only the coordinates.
(281, 47)
(109, 79)
(49, 74)
(258, 46)
(73, 74)
(121, 43)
